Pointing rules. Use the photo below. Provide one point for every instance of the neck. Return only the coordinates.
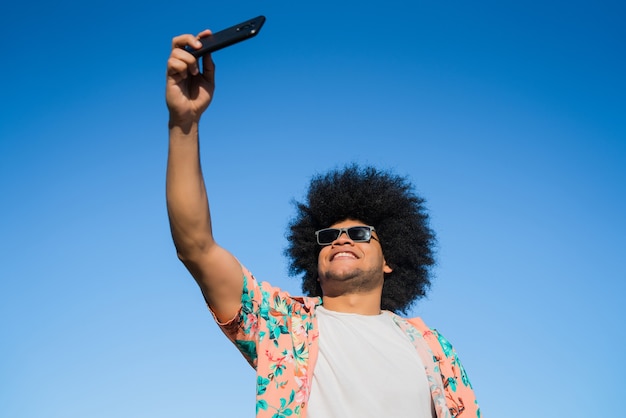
(358, 303)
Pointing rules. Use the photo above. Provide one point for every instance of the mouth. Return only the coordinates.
(344, 255)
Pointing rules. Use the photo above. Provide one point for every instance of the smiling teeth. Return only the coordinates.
(344, 254)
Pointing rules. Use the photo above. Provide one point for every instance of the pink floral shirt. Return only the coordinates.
(277, 334)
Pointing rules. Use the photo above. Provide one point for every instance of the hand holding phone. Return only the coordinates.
(234, 34)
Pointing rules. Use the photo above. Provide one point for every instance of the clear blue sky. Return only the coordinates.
(509, 118)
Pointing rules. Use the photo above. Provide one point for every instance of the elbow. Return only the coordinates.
(192, 252)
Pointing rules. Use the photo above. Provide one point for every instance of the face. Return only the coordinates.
(348, 266)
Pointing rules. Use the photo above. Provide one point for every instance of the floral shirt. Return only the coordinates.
(277, 334)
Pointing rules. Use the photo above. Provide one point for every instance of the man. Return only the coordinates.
(362, 242)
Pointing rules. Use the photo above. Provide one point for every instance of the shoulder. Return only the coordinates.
(436, 341)
(272, 297)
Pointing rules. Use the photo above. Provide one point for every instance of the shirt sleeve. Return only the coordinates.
(255, 319)
(459, 392)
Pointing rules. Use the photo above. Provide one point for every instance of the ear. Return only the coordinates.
(386, 268)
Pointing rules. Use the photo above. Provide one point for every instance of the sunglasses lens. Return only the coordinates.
(359, 233)
(327, 236)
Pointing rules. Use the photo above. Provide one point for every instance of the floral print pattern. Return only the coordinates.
(277, 334)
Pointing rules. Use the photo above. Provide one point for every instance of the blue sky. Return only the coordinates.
(508, 118)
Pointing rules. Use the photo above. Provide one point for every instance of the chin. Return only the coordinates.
(340, 275)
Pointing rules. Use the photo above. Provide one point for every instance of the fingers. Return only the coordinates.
(208, 68)
(181, 63)
(204, 34)
(182, 41)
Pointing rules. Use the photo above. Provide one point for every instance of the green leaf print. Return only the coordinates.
(246, 297)
(261, 404)
(283, 411)
(277, 368)
(301, 354)
(261, 385)
(445, 345)
(264, 309)
(247, 348)
(276, 329)
(281, 305)
(452, 383)
(464, 377)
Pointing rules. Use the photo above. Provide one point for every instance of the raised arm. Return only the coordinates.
(189, 91)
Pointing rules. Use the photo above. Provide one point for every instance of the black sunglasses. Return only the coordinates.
(355, 233)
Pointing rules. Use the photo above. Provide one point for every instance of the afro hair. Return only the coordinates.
(380, 199)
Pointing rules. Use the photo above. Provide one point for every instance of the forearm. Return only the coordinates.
(188, 94)
(187, 202)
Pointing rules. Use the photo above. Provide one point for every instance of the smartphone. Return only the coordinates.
(234, 34)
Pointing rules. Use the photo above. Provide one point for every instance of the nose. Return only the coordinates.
(343, 238)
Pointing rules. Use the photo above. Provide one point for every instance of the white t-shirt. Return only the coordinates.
(366, 367)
